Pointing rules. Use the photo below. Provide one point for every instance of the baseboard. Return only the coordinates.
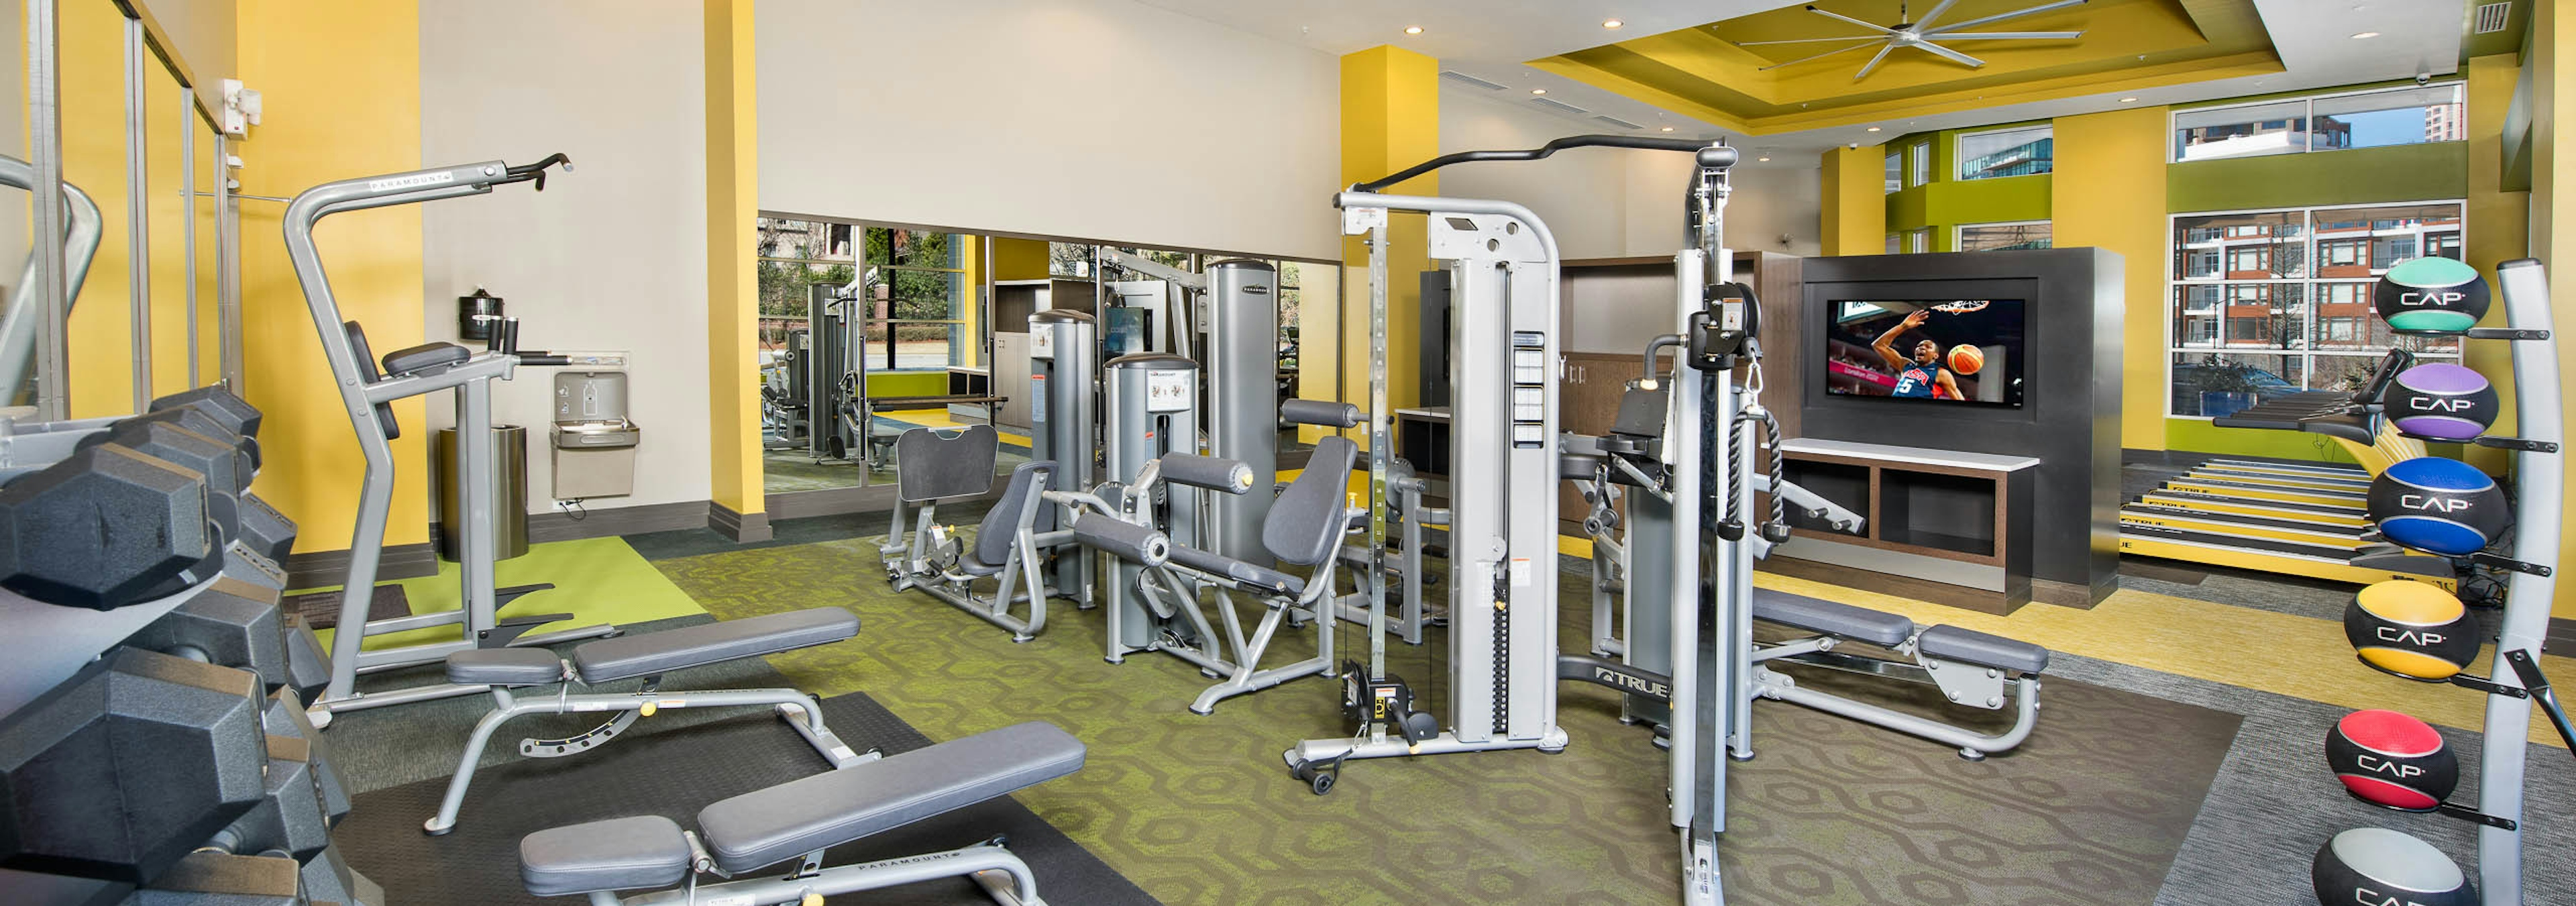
(625, 520)
(401, 561)
(740, 527)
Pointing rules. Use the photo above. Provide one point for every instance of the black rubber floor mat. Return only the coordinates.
(674, 773)
(321, 609)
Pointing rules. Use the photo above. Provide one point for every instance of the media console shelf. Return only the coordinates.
(1943, 526)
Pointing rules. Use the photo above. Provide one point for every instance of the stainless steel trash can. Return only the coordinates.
(509, 496)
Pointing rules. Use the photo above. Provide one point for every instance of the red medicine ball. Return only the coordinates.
(2392, 760)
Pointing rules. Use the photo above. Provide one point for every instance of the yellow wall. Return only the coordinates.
(733, 295)
(1855, 201)
(1019, 259)
(2499, 226)
(2554, 100)
(341, 84)
(2118, 158)
(1390, 120)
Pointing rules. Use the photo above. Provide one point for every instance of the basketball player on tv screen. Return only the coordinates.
(1922, 375)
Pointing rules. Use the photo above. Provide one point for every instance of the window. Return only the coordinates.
(1895, 243)
(1988, 237)
(2007, 152)
(1895, 174)
(916, 285)
(793, 255)
(2251, 318)
(1922, 163)
(2330, 122)
(1918, 241)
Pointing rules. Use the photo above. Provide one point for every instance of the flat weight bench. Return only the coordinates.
(1970, 668)
(648, 655)
(799, 819)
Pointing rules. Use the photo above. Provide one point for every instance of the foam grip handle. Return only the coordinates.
(1319, 412)
(1211, 472)
(1127, 540)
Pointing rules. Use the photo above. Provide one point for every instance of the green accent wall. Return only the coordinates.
(2197, 435)
(2426, 172)
(907, 383)
(1947, 202)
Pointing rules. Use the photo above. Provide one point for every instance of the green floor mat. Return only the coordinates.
(597, 580)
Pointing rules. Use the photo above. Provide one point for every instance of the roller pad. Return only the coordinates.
(1319, 412)
(662, 652)
(1127, 540)
(764, 827)
(617, 854)
(1951, 643)
(1211, 472)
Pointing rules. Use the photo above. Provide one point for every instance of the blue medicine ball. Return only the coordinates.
(2442, 506)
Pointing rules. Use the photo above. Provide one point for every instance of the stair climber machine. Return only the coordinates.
(369, 394)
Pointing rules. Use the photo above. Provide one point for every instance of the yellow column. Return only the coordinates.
(2553, 193)
(2499, 228)
(2119, 158)
(342, 85)
(1390, 120)
(1855, 201)
(970, 258)
(733, 295)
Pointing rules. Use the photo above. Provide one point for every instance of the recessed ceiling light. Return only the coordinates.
(1611, 23)
(1668, 128)
(1873, 128)
(1762, 158)
(2360, 35)
(1538, 91)
(1413, 29)
(2128, 100)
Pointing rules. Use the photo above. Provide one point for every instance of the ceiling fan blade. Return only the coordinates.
(1873, 62)
(1998, 17)
(1937, 10)
(1954, 56)
(1810, 40)
(2010, 35)
(1816, 57)
(1881, 29)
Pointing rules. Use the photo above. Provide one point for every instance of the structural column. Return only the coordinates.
(1390, 120)
(733, 286)
(1855, 201)
(2110, 172)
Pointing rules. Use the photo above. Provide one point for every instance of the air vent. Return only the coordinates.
(1560, 105)
(1470, 80)
(2491, 16)
(1615, 121)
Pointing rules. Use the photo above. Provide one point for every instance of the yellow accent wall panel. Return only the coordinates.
(1390, 120)
(2110, 193)
(1855, 201)
(2553, 198)
(341, 84)
(1019, 259)
(733, 296)
(2499, 227)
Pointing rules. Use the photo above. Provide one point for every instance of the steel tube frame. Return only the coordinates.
(45, 150)
(138, 218)
(1015, 886)
(22, 329)
(2540, 477)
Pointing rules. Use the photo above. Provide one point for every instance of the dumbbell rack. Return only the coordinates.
(2539, 474)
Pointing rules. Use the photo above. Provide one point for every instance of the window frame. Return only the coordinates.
(2308, 114)
(1959, 158)
(2311, 297)
(1918, 164)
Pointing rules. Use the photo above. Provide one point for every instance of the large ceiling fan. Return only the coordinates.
(1921, 35)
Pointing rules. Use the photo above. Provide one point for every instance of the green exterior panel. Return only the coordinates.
(2426, 172)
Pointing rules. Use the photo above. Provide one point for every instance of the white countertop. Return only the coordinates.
(1920, 456)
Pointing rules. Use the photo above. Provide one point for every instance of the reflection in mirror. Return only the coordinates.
(869, 331)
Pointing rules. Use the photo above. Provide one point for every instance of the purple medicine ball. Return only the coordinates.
(2441, 401)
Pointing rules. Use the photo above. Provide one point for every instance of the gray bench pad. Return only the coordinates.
(1885, 630)
(616, 854)
(504, 667)
(1951, 643)
(662, 652)
(1216, 564)
(772, 825)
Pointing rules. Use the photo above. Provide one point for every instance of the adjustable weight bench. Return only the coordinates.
(797, 820)
(1970, 668)
(647, 655)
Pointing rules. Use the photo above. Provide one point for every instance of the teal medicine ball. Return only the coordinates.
(2430, 295)
(2441, 506)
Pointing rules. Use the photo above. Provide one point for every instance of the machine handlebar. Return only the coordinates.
(1710, 155)
(535, 171)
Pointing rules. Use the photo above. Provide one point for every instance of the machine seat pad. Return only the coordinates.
(504, 667)
(1216, 564)
(424, 357)
(1951, 643)
(646, 851)
(764, 827)
(1885, 630)
(661, 652)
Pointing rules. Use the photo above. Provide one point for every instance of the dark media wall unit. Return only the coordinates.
(2070, 412)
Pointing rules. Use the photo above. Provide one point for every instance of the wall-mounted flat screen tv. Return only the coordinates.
(1960, 351)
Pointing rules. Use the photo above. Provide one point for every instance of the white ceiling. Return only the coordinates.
(1490, 39)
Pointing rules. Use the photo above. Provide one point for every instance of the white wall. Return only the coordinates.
(1087, 118)
(611, 256)
(1605, 203)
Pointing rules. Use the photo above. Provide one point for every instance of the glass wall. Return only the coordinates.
(2272, 302)
(1989, 237)
(2007, 152)
(2331, 122)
